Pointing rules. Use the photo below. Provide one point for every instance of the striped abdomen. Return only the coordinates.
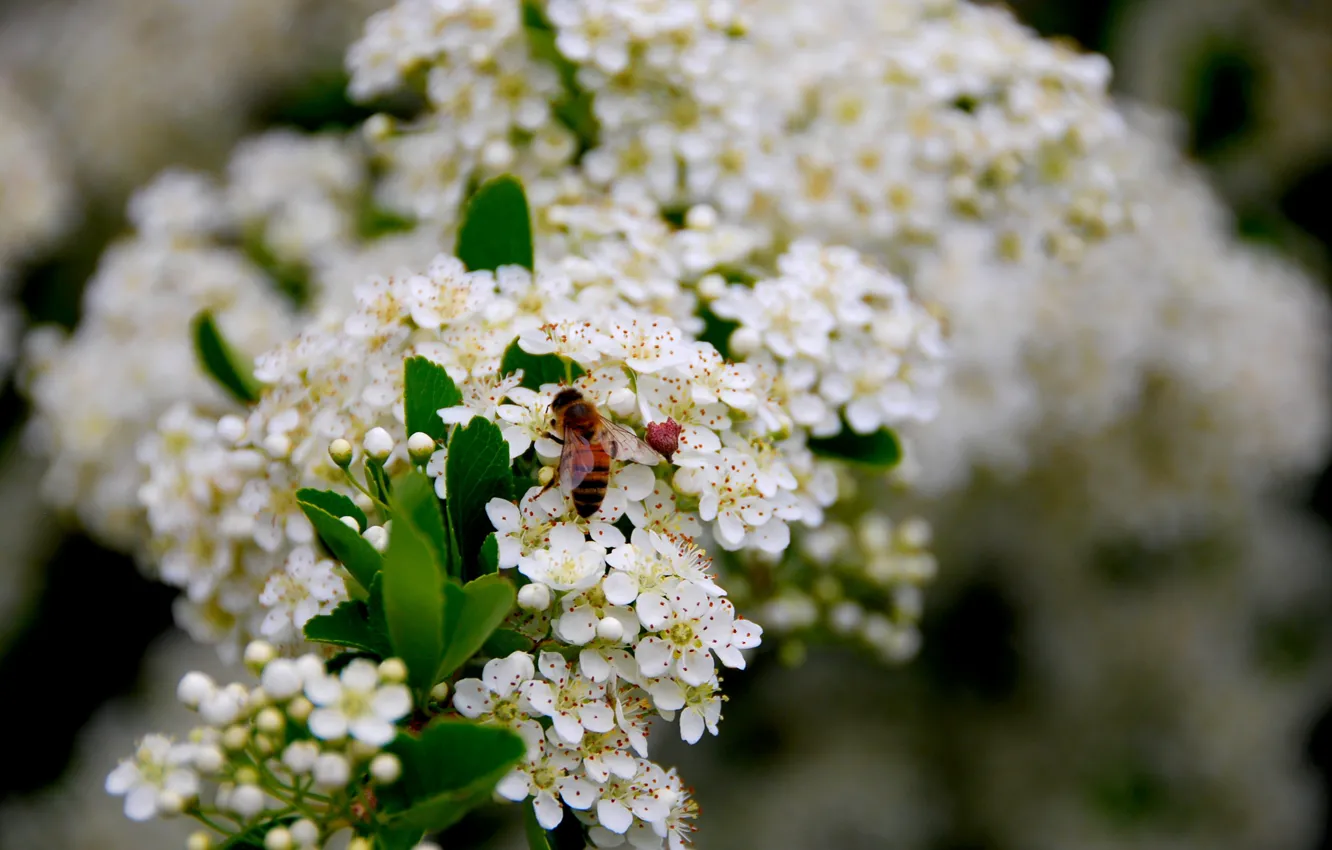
(590, 492)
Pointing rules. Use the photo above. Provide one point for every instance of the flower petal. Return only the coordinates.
(653, 611)
(654, 657)
(568, 727)
(577, 793)
(329, 724)
(614, 816)
(549, 812)
(471, 698)
(596, 717)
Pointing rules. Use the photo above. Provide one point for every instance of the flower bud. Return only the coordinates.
(236, 738)
(231, 428)
(378, 444)
(545, 475)
(200, 840)
(701, 217)
(360, 751)
(277, 446)
(420, 446)
(360, 843)
(377, 537)
(386, 768)
(300, 756)
(281, 679)
(534, 597)
(208, 760)
(247, 800)
(258, 653)
(278, 838)
(393, 671)
(299, 709)
(340, 451)
(440, 692)
(304, 832)
(350, 522)
(269, 721)
(194, 688)
(247, 775)
(169, 803)
(711, 286)
(331, 770)
(609, 628)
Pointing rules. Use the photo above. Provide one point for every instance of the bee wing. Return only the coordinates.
(624, 445)
(575, 461)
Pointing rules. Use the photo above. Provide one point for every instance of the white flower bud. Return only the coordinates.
(393, 671)
(222, 707)
(427, 845)
(378, 444)
(270, 721)
(376, 536)
(360, 843)
(169, 803)
(608, 628)
(208, 760)
(914, 533)
(386, 768)
(440, 692)
(377, 127)
(304, 832)
(331, 770)
(264, 744)
(278, 838)
(246, 775)
(247, 800)
(340, 451)
(711, 286)
(200, 840)
(194, 688)
(545, 474)
(745, 341)
(299, 709)
(360, 751)
(281, 679)
(300, 756)
(231, 428)
(258, 653)
(497, 155)
(701, 217)
(420, 446)
(534, 597)
(277, 446)
(350, 522)
(236, 738)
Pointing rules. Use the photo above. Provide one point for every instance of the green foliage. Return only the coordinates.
(489, 560)
(449, 770)
(717, 331)
(374, 222)
(428, 388)
(349, 547)
(504, 642)
(335, 503)
(476, 472)
(401, 838)
(377, 479)
(538, 369)
(472, 613)
(416, 495)
(221, 362)
(574, 107)
(496, 228)
(413, 587)
(349, 626)
(880, 449)
(536, 836)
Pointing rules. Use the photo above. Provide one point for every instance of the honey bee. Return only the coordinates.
(588, 443)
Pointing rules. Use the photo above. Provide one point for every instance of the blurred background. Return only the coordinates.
(1124, 695)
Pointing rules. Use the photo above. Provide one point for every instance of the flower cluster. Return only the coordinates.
(305, 742)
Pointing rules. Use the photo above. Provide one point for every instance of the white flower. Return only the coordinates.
(158, 768)
(547, 774)
(685, 629)
(496, 697)
(305, 588)
(573, 702)
(436, 468)
(581, 613)
(570, 563)
(355, 702)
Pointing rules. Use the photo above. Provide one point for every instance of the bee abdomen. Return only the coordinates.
(591, 491)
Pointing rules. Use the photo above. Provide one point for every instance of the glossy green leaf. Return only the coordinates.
(413, 588)
(505, 642)
(353, 550)
(880, 449)
(472, 612)
(399, 838)
(450, 769)
(428, 388)
(538, 369)
(222, 362)
(335, 503)
(497, 227)
(349, 626)
(489, 560)
(477, 471)
(415, 494)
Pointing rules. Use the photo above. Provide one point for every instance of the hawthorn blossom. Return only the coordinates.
(357, 702)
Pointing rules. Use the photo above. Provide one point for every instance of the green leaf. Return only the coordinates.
(880, 449)
(335, 503)
(472, 613)
(505, 642)
(449, 770)
(477, 471)
(353, 550)
(222, 362)
(538, 369)
(349, 626)
(415, 494)
(536, 836)
(428, 388)
(717, 331)
(413, 587)
(497, 227)
(402, 838)
(489, 560)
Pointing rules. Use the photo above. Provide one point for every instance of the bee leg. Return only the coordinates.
(559, 440)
